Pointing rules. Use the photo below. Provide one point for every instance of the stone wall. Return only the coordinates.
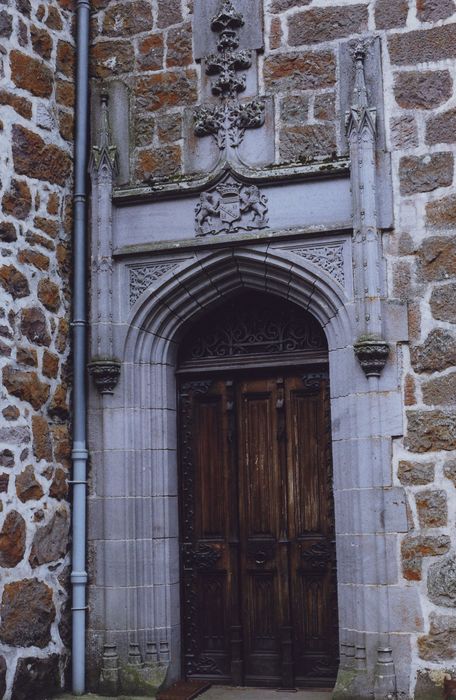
(147, 45)
(36, 126)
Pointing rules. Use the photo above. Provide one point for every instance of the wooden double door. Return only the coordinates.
(258, 562)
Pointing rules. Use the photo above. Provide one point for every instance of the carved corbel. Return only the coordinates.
(105, 373)
(372, 354)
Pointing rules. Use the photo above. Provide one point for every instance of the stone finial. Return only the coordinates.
(361, 114)
(105, 373)
(372, 354)
(105, 152)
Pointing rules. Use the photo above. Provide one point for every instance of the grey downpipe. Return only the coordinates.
(79, 453)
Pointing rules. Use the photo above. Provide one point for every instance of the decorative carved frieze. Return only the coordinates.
(142, 277)
(228, 122)
(329, 257)
(229, 207)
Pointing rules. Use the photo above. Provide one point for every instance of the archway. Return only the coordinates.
(257, 535)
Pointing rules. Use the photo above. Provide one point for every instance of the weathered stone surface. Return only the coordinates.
(35, 258)
(157, 163)
(29, 74)
(300, 71)
(35, 158)
(6, 458)
(3, 669)
(4, 482)
(65, 59)
(151, 52)
(27, 614)
(437, 258)
(25, 386)
(442, 582)
(275, 33)
(169, 12)
(420, 46)
(294, 109)
(22, 105)
(27, 487)
(416, 473)
(164, 90)
(12, 540)
(440, 391)
(17, 201)
(443, 303)
(391, 14)
(36, 678)
(14, 282)
(6, 24)
(433, 10)
(282, 5)
(422, 89)
(10, 413)
(109, 58)
(59, 486)
(414, 548)
(61, 444)
(440, 644)
(432, 508)
(169, 128)
(49, 294)
(449, 469)
(34, 326)
(51, 541)
(437, 352)
(58, 407)
(122, 20)
(325, 107)
(325, 24)
(16, 435)
(179, 42)
(442, 214)
(7, 232)
(305, 143)
(41, 41)
(431, 430)
(441, 128)
(27, 356)
(50, 364)
(425, 173)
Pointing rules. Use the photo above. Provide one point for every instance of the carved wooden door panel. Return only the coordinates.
(258, 553)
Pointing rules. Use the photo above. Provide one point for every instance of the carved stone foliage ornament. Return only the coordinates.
(329, 258)
(105, 372)
(372, 355)
(228, 121)
(229, 207)
(142, 277)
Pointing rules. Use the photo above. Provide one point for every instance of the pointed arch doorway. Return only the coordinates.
(258, 561)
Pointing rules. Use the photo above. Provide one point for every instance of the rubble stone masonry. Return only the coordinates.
(36, 132)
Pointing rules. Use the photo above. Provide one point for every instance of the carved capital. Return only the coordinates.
(372, 355)
(105, 373)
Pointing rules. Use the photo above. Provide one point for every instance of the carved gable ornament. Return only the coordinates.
(229, 207)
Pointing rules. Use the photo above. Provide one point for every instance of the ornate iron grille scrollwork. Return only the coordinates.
(252, 325)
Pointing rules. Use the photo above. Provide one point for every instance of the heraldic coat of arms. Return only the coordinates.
(231, 206)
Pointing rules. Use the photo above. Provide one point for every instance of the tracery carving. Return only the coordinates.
(228, 122)
(317, 555)
(229, 207)
(204, 557)
(141, 278)
(329, 257)
(258, 325)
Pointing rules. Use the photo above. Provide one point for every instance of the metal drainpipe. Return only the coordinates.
(79, 453)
